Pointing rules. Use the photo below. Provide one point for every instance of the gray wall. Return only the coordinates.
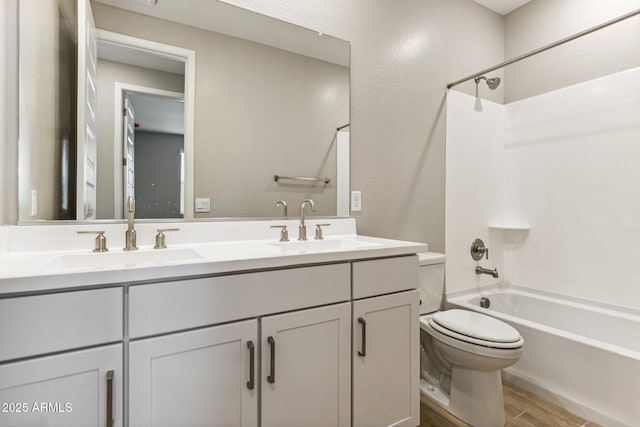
(254, 117)
(397, 98)
(397, 115)
(9, 120)
(402, 56)
(3, 105)
(47, 109)
(542, 22)
(108, 74)
(157, 183)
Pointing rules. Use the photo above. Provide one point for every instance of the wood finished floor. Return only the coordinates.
(522, 409)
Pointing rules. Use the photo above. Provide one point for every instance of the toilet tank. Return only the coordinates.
(431, 281)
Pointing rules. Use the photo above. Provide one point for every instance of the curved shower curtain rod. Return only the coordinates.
(547, 47)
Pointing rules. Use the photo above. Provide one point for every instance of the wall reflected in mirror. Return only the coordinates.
(47, 111)
(262, 107)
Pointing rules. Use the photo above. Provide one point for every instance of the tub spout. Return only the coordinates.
(492, 273)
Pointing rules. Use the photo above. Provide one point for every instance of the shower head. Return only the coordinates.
(492, 82)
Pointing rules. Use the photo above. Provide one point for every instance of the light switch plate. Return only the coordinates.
(34, 202)
(203, 205)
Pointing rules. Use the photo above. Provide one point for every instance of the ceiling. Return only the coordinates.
(158, 114)
(138, 57)
(502, 7)
(237, 22)
(164, 115)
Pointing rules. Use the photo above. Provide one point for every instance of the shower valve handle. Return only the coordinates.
(478, 250)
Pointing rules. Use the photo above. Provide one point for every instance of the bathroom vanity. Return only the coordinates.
(211, 331)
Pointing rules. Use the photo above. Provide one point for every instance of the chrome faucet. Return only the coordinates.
(130, 234)
(302, 229)
(492, 273)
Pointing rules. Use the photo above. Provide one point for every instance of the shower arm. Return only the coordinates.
(477, 82)
(547, 47)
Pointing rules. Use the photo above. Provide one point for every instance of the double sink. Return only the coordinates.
(145, 257)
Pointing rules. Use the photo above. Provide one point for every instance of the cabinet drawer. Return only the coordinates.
(165, 307)
(383, 276)
(48, 323)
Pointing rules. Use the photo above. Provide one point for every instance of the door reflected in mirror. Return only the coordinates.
(153, 143)
(258, 106)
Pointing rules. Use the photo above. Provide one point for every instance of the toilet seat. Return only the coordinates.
(475, 328)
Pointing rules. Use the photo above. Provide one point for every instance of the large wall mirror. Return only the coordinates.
(196, 108)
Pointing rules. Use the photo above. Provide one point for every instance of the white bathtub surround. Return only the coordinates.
(474, 188)
(564, 164)
(551, 185)
(582, 355)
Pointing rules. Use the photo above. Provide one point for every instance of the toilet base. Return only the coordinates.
(476, 397)
(434, 394)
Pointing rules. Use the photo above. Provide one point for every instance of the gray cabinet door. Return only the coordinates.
(195, 378)
(306, 368)
(386, 361)
(75, 389)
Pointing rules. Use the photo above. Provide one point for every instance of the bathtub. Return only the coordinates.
(583, 356)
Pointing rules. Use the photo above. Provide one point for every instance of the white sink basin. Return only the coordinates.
(121, 259)
(327, 245)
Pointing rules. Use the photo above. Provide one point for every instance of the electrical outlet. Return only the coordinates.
(203, 205)
(356, 201)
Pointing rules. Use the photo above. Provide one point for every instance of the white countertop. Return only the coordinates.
(24, 270)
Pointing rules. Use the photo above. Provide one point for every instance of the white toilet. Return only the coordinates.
(462, 352)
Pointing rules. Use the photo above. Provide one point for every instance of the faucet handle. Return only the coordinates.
(284, 233)
(101, 240)
(319, 235)
(478, 250)
(160, 239)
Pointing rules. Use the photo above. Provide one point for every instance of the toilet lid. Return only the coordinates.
(476, 325)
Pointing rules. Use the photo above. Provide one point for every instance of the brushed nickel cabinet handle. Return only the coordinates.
(271, 378)
(252, 354)
(363, 322)
(110, 391)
